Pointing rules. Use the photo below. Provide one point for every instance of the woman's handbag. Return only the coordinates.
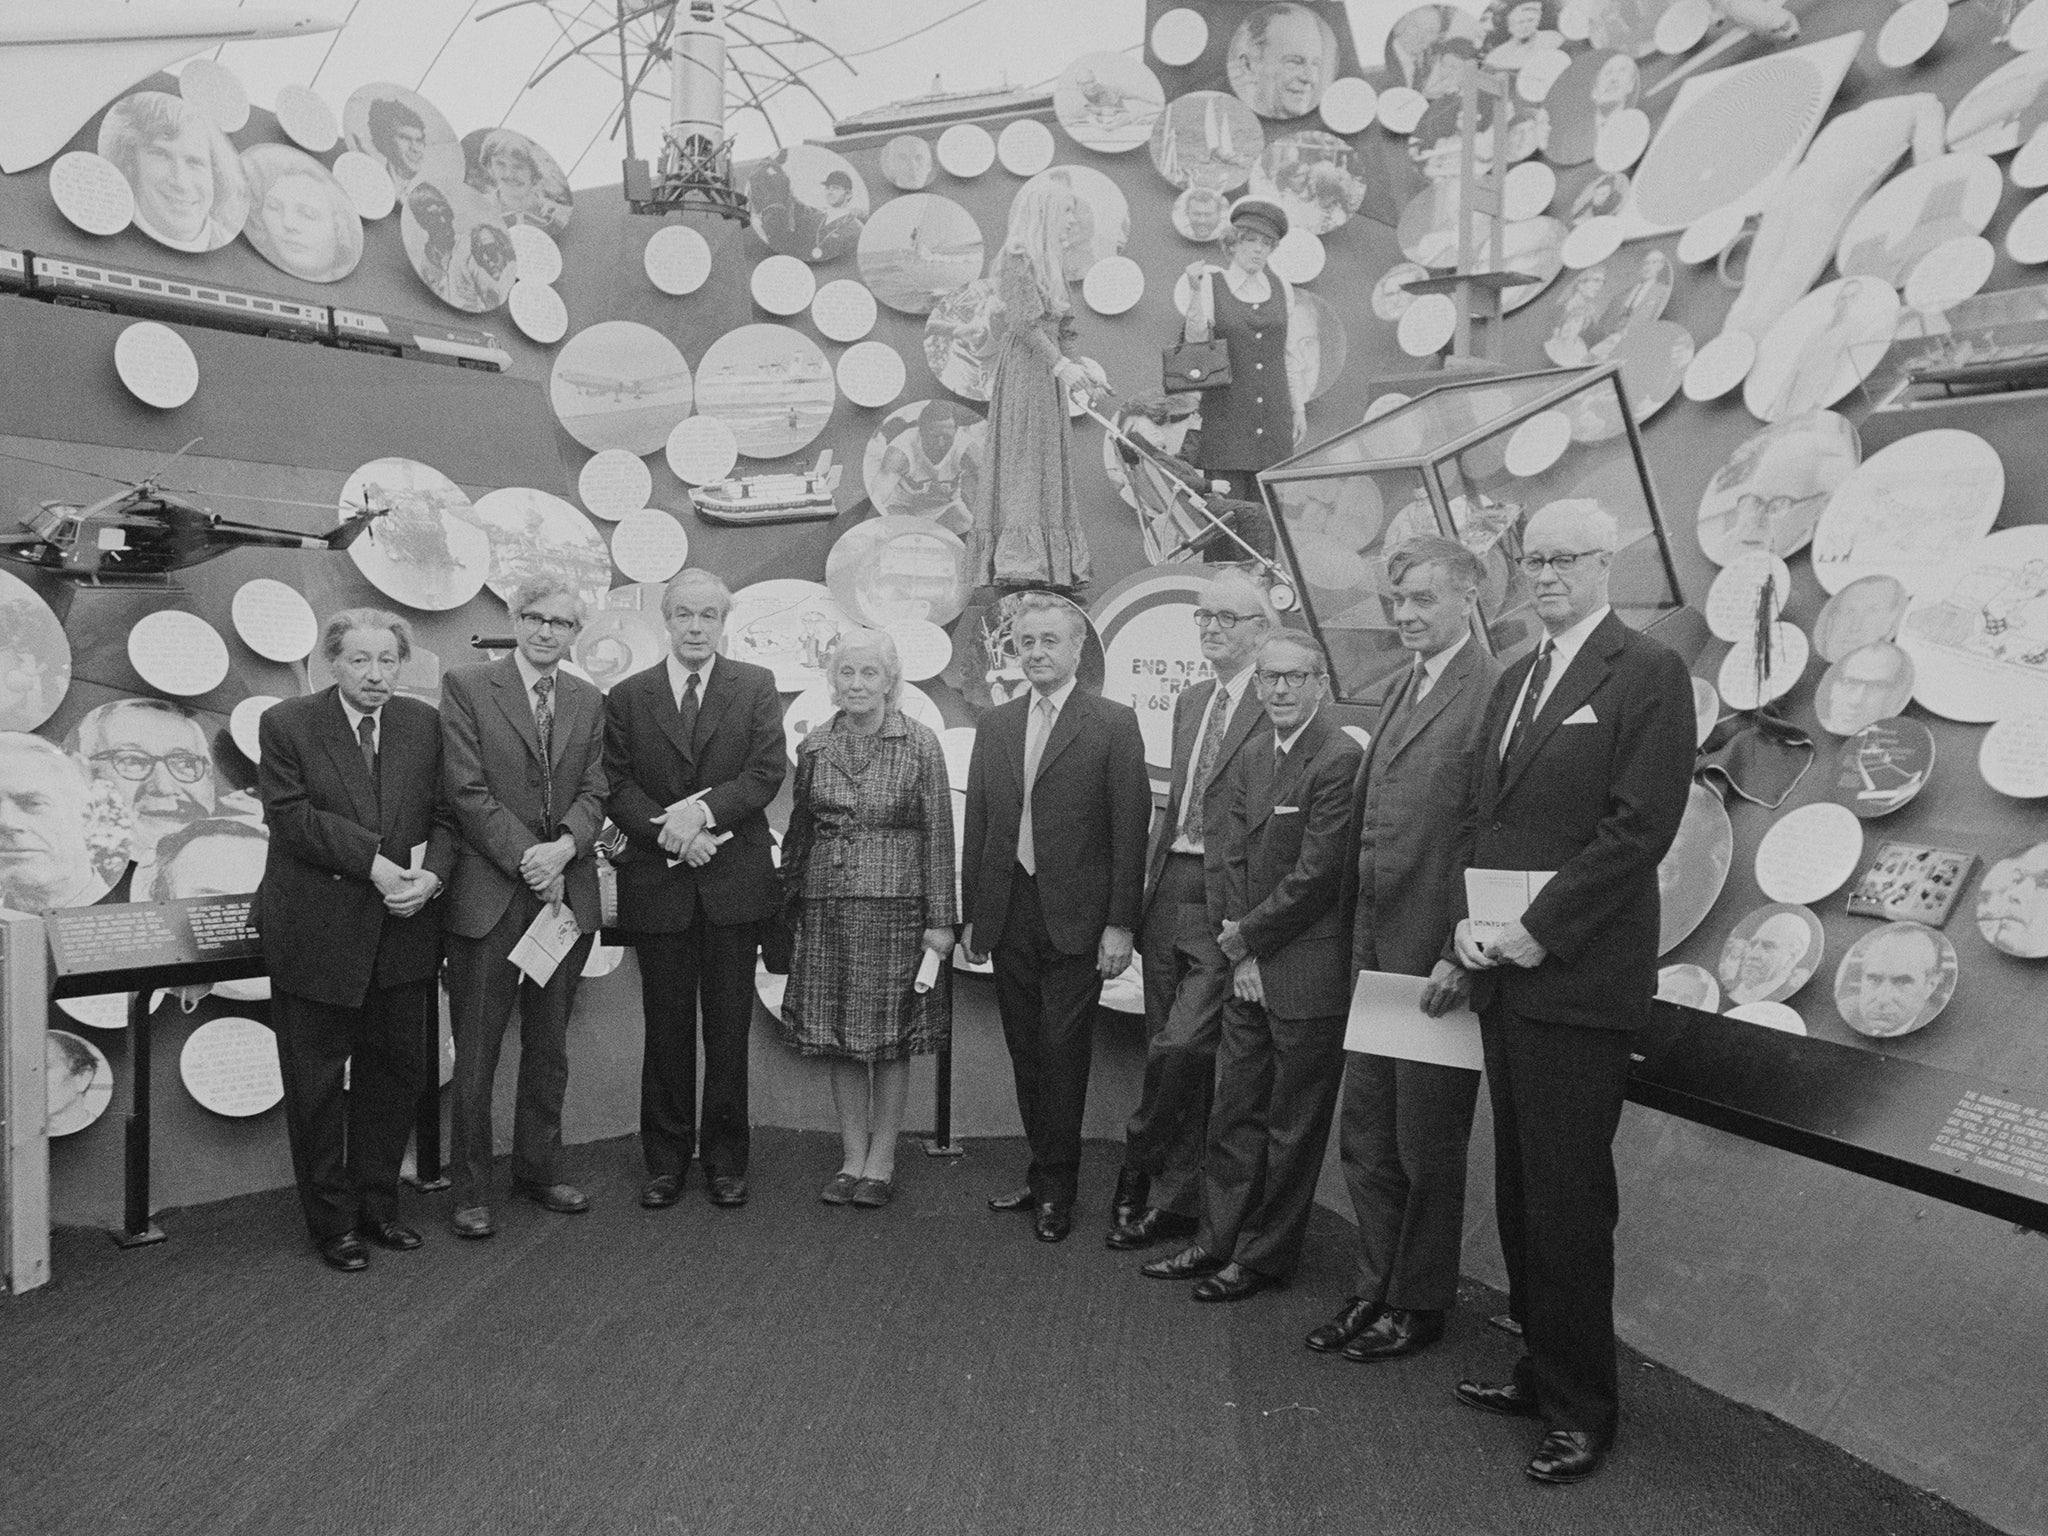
(1197, 365)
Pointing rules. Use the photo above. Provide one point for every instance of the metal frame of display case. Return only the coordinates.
(1571, 382)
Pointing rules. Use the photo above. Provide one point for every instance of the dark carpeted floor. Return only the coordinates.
(791, 1367)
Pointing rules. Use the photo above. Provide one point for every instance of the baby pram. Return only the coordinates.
(1182, 521)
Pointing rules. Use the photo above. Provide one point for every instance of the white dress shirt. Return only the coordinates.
(678, 676)
(1225, 695)
(1434, 667)
(1038, 728)
(355, 723)
(1564, 649)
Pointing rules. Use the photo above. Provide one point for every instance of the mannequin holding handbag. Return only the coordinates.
(1253, 417)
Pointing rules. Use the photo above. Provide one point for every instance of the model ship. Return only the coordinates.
(746, 501)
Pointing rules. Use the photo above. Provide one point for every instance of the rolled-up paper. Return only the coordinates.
(928, 971)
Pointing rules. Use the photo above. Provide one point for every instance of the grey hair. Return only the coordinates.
(1600, 522)
(338, 626)
(91, 730)
(882, 644)
(1037, 601)
(538, 589)
(1304, 643)
(1447, 555)
(696, 575)
(1242, 584)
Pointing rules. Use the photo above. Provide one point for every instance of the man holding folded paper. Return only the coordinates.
(1404, 1123)
(1585, 764)
(523, 760)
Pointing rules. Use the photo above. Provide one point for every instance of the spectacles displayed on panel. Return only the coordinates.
(135, 766)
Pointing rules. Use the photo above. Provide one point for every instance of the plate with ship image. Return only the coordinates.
(917, 249)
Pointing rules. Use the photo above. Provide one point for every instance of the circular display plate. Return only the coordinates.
(620, 384)
(807, 202)
(1622, 139)
(91, 192)
(617, 642)
(2014, 757)
(1653, 358)
(1977, 629)
(1706, 710)
(1732, 599)
(1589, 92)
(771, 385)
(1866, 610)
(918, 249)
(1945, 197)
(1527, 190)
(1299, 257)
(1428, 325)
(1349, 106)
(178, 653)
(1737, 680)
(1695, 868)
(105, 1010)
(231, 1067)
(35, 658)
(1953, 270)
(614, 483)
(1821, 348)
(1401, 108)
(301, 219)
(422, 146)
(274, 620)
(1591, 242)
(1151, 651)
(1807, 854)
(701, 450)
(649, 545)
(787, 626)
(782, 285)
(1102, 216)
(1883, 766)
(1179, 37)
(871, 374)
(1538, 443)
(1895, 980)
(243, 722)
(1682, 25)
(1313, 176)
(843, 310)
(2012, 904)
(1690, 986)
(368, 185)
(534, 534)
(1113, 285)
(1779, 1016)
(174, 207)
(538, 311)
(540, 259)
(1209, 139)
(1025, 147)
(1720, 365)
(426, 551)
(306, 119)
(1774, 488)
(523, 183)
(1390, 295)
(1910, 33)
(959, 339)
(1711, 234)
(1772, 953)
(966, 150)
(924, 649)
(1989, 118)
(78, 1079)
(1908, 510)
(2029, 29)
(457, 244)
(891, 569)
(156, 364)
(677, 259)
(1872, 683)
(907, 162)
(2026, 238)
(1107, 102)
(925, 460)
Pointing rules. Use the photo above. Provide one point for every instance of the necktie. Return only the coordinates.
(544, 728)
(1034, 751)
(1394, 725)
(1205, 766)
(366, 734)
(1532, 699)
(688, 705)
(1418, 688)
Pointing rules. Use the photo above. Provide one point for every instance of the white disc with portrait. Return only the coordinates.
(1771, 493)
(78, 1082)
(1977, 629)
(2012, 903)
(959, 339)
(771, 384)
(522, 181)
(926, 460)
(788, 626)
(1895, 980)
(190, 192)
(620, 384)
(404, 132)
(1590, 92)
(1873, 682)
(1821, 348)
(301, 220)
(1908, 510)
(1106, 101)
(807, 202)
(533, 535)
(1695, 868)
(1770, 954)
(457, 245)
(1690, 986)
(1867, 610)
(426, 550)
(907, 163)
(35, 658)
(1782, 1017)
(1281, 59)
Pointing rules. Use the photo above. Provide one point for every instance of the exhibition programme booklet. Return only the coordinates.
(547, 940)
(1495, 898)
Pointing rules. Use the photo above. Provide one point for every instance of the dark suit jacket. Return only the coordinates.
(1404, 889)
(1089, 809)
(1286, 839)
(1188, 705)
(326, 934)
(735, 756)
(492, 765)
(1598, 803)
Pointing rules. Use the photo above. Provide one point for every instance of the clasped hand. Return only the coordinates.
(1513, 945)
(541, 866)
(404, 891)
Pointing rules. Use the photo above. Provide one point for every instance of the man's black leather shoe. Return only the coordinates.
(1054, 1222)
(390, 1234)
(1191, 1263)
(1233, 1282)
(1356, 1316)
(1565, 1456)
(345, 1253)
(728, 1190)
(1013, 1200)
(565, 1199)
(1397, 1332)
(1132, 1186)
(1151, 1226)
(661, 1191)
(1507, 1399)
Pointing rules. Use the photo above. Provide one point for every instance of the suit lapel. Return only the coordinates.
(1588, 670)
(510, 691)
(1437, 699)
(661, 703)
(1186, 743)
(718, 694)
(1066, 726)
(347, 754)
(1243, 721)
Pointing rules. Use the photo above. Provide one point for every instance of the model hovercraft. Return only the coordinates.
(750, 501)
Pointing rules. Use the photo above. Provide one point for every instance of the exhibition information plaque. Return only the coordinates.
(143, 936)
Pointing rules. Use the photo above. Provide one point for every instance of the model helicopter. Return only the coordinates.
(140, 534)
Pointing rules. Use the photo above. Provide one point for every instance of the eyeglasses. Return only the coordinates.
(1564, 565)
(1223, 618)
(135, 766)
(551, 624)
(1296, 681)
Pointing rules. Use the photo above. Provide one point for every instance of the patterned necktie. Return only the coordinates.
(1035, 735)
(1532, 699)
(544, 728)
(688, 706)
(1205, 766)
(366, 734)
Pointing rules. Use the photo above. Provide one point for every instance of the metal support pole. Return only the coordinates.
(427, 1175)
(137, 1230)
(941, 1143)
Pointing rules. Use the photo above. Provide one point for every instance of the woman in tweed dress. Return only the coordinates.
(868, 863)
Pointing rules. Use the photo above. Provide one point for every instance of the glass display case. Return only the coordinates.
(1472, 460)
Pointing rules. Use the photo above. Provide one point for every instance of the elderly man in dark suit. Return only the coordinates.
(695, 752)
(1052, 874)
(1187, 978)
(1585, 764)
(523, 757)
(1286, 839)
(1403, 1125)
(361, 842)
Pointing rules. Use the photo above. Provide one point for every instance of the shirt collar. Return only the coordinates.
(1568, 644)
(1234, 689)
(678, 675)
(1059, 696)
(1285, 744)
(529, 674)
(356, 717)
(1440, 663)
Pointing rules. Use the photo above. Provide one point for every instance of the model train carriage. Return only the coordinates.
(92, 286)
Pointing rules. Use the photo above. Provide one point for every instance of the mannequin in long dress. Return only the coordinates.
(1804, 219)
(1027, 518)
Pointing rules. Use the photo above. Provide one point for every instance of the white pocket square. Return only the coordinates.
(1286, 810)
(1583, 715)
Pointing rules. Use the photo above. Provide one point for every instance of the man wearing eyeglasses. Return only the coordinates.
(1286, 838)
(523, 758)
(1187, 978)
(1585, 765)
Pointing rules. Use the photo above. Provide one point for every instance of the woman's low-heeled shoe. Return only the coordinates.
(840, 1190)
(872, 1193)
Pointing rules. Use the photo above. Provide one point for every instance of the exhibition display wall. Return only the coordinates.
(693, 349)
